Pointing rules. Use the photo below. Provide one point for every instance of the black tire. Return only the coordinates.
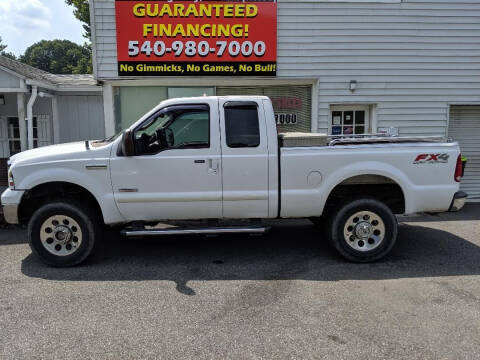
(89, 229)
(348, 248)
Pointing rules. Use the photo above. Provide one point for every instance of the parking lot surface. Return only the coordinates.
(283, 295)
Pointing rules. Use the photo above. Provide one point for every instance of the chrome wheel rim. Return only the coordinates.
(61, 235)
(364, 231)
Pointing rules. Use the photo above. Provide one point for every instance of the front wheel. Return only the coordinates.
(62, 234)
(363, 230)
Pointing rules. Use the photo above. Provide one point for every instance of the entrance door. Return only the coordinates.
(349, 119)
(176, 171)
(244, 159)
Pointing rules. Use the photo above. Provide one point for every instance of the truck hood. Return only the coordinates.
(74, 150)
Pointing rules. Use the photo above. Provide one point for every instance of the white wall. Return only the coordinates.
(80, 117)
(8, 80)
(411, 58)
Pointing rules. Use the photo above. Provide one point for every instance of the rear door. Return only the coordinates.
(244, 158)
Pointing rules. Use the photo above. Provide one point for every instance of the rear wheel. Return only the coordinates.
(62, 234)
(363, 230)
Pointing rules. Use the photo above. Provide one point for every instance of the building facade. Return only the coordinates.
(343, 67)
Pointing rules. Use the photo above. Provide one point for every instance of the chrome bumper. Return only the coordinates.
(10, 201)
(10, 213)
(458, 201)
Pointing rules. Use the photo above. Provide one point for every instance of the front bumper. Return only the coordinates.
(11, 201)
(458, 201)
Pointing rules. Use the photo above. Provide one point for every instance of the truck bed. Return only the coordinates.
(309, 173)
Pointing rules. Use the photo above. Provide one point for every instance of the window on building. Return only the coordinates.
(349, 119)
(35, 132)
(178, 92)
(13, 135)
(242, 126)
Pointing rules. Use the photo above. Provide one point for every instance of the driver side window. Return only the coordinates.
(174, 128)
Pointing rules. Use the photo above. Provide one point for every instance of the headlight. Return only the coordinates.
(11, 183)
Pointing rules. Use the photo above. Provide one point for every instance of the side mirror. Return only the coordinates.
(128, 148)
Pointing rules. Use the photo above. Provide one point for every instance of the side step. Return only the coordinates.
(195, 231)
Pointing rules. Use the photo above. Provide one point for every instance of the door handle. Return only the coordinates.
(212, 166)
(199, 161)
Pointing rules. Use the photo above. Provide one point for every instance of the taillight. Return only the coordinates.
(458, 169)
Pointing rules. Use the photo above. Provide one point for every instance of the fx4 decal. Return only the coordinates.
(431, 158)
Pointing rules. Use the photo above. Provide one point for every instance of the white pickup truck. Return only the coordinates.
(220, 158)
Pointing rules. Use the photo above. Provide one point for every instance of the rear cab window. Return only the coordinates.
(242, 124)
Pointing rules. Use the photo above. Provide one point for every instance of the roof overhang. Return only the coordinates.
(47, 85)
(64, 88)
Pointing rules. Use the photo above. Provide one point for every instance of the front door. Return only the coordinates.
(176, 171)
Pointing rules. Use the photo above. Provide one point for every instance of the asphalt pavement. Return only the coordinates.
(283, 295)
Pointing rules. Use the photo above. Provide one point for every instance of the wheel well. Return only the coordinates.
(54, 191)
(377, 187)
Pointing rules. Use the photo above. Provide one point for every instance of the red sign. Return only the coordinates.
(172, 38)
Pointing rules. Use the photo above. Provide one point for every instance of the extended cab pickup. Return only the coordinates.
(221, 158)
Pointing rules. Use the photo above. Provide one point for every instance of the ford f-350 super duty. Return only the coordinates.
(220, 158)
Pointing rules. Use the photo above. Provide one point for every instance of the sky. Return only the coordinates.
(24, 22)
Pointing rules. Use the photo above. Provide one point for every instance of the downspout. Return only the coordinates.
(29, 119)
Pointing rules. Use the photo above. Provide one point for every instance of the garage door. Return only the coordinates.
(464, 127)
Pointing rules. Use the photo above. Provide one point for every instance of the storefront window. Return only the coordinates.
(132, 102)
(292, 104)
(177, 92)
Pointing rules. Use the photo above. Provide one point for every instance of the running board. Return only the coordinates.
(196, 231)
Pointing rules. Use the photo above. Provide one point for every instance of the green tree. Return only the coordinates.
(2, 46)
(82, 13)
(4, 53)
(59, 57)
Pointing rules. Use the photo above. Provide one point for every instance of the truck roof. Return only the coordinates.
(232, 97)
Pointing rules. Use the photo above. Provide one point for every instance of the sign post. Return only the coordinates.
(196, 38)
